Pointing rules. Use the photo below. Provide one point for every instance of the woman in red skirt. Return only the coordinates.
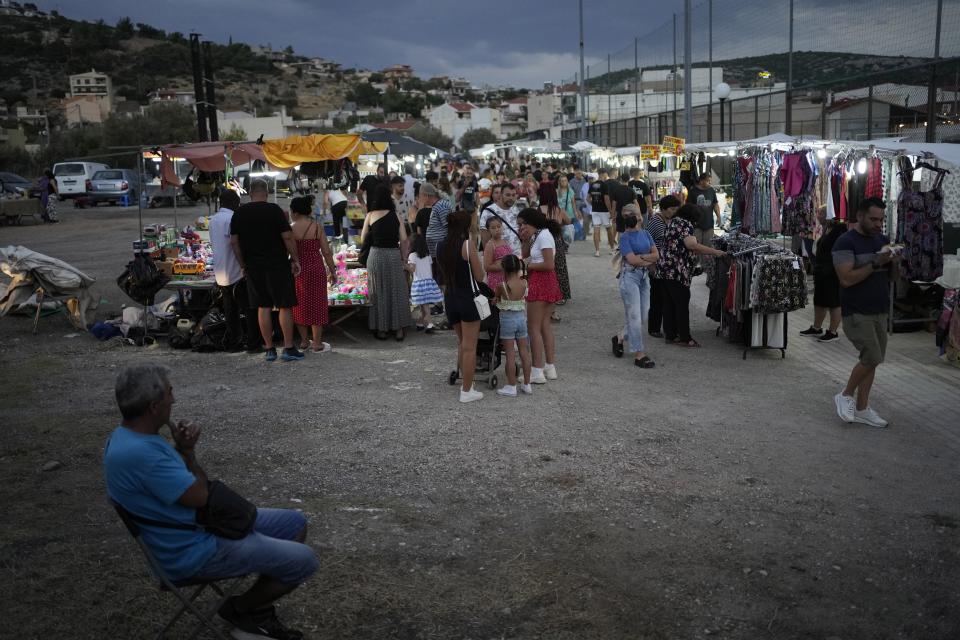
(543, 289)
(311, 310)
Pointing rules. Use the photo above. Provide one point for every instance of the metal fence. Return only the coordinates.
(841, 70)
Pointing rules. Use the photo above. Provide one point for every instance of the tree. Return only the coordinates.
(430, 135)
(236, 133)
(124, 28)
(475, 138)
(365, 94)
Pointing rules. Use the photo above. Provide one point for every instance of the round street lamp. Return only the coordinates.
(722, 91)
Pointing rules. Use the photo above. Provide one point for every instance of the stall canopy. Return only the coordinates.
(583, 145)
(401, 145)
(281, 153)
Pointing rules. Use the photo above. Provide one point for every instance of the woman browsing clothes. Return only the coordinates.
(826, 284)
(675, 270)
(386, 274)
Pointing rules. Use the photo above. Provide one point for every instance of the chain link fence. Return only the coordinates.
(859, 71)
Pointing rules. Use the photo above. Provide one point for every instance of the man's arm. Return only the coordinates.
(291, 246)
(185, 436)
(716, 211)
(235, 245)
(849, 274)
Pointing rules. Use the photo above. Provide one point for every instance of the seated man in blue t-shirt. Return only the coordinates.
(154, 480)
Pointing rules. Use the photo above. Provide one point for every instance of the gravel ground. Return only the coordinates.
(710, 497)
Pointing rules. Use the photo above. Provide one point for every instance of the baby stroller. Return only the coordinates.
(489, 350)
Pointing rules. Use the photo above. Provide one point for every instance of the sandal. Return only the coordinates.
(645, 363)
(617, 347)
(692, 344)
(324, 347)
(554, 317)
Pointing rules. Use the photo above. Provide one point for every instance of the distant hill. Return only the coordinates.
(38, 54)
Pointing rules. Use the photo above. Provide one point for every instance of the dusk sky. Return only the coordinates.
(506, 43)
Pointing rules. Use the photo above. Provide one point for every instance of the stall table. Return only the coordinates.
(13, 211)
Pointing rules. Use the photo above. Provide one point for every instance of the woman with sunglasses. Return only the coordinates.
(543, 291)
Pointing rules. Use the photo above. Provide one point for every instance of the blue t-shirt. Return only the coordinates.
(147, 476)
(871, 296)
(636, 242)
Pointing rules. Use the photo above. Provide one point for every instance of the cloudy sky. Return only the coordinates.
(524, 43)
(507, 42)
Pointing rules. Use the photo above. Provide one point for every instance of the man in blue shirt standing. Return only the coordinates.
(863, 260)
(154, 480)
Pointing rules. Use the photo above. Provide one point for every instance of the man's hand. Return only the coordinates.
(295, 267)
(185, 435)
(883, 257)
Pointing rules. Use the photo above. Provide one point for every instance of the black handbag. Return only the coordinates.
(227, 514)
(364, 251)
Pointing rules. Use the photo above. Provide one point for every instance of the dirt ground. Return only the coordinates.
(711, 497)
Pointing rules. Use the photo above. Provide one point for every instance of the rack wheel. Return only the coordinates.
(493, 382)
(453, 377)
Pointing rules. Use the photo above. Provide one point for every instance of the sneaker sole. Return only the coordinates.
(291, 358)
(544, 381)
(867, 422)
(828, 340)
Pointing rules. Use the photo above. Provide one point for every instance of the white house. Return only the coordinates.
(93, 84)
(456, 118)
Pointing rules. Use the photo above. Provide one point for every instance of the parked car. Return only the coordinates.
(112, 185)
(73, 178)
(12, 184)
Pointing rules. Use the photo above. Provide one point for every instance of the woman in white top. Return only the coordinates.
(335, 201)
(539, 253)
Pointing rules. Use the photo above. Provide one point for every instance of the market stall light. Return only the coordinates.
(266, 174)
(821, 153)
(732, 152)
(862, 166)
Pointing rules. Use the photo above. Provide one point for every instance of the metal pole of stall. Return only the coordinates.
(636, 94)
(583, 100)
(674, 131)
(687, 70)
(710, 72)
(932, 91)
(789, 106)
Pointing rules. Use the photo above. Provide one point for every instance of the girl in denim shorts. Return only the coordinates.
(511, 301)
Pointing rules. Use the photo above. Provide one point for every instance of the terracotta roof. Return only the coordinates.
(462, 106)
(397, 125)
(517, 101)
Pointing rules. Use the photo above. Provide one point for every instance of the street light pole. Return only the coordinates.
(723, 92)
(583, 99)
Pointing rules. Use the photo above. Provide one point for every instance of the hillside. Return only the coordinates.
(38, 55)
(836, 70)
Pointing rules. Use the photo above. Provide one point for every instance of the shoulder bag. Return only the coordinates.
(227, 514)
(481, 301)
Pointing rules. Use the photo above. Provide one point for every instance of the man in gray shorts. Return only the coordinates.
(863, 260)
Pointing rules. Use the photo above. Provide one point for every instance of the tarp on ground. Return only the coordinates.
(30, 271)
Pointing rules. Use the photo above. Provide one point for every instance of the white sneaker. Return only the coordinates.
(507, 390)
(470, 396)
(845, 406)
(870, 417)
(537, 377)
(613, 252)
(527, 389)
(550, 371)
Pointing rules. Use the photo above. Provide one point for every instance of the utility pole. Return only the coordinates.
(198, 91)
(609, 98)
(211, 98)
(710, 70)
(687, 80)
(932, 92)
(788, 113)
(673, 132)
(583, 99)
(636, 92)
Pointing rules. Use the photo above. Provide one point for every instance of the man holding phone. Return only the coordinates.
(863, 261)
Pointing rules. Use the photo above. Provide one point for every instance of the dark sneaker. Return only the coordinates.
(828, 336)
(812, 332)
(259, 624)
(270, 355)
(291, 354)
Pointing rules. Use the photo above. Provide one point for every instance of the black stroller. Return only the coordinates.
(489, 350)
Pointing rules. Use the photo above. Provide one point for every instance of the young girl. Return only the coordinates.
(424, 290)
(511, 295)
(493, 252)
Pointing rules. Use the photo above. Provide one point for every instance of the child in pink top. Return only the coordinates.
(493, 252)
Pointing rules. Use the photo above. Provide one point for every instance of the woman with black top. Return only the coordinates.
(826, 285)
(460, 263)
(386, 275)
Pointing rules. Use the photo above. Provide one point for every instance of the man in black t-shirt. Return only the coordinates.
(369, 185)
(642, 190)
(620, 195)
(262, 240)
(600, 212)
(704, 196)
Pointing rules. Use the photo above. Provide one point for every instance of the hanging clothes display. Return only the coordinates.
(920, 226)
(798, 175)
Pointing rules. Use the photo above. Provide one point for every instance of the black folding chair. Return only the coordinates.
(181, 588)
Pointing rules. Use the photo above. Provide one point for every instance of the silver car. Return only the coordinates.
(114, 185)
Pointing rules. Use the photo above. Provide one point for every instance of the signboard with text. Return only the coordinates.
(673, 145)
(650, 152)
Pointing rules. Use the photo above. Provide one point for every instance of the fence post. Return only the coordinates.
(932, 92)
(823, 116)
(788, 112)
(870, 112)
(756, 116)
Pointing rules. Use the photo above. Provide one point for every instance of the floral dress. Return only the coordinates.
(676, 261)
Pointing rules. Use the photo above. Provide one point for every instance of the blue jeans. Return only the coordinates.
(635, 291)
(269, 549)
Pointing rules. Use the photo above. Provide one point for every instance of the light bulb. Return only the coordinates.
(732, 152)
(821, 153)
(862, 165)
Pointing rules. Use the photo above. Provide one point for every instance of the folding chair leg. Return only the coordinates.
(208, 619)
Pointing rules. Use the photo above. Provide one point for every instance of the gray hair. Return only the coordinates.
(139, 385)
(259, 186)
(427, 189)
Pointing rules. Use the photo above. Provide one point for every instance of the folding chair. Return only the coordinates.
(180, 587)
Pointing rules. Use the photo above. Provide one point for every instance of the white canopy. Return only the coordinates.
(583, 145)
